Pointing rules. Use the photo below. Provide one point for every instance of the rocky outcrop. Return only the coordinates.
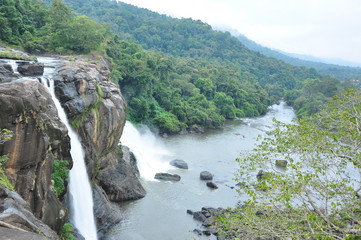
(31, 68)
(19, 220)
(39, 139)
(118, 176)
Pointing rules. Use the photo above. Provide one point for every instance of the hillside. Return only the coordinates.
(176, 74)
(337, 71)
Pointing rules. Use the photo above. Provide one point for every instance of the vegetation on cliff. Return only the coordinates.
(5, 135)
(317, 195)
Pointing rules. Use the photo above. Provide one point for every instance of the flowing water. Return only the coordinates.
(161, 215)
(81, 210)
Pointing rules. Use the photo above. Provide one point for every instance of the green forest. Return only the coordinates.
(174, 73)
(179, 74)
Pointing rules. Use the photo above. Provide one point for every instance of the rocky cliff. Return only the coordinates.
(40, 138)
(96, 110)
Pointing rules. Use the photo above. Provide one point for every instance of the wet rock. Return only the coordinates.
(199, 216)
(179, 164)
(190, 212)
(167, 177)
(30, 68)
(205, 175)
(212, 185)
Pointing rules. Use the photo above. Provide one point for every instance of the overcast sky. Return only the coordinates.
(322, 28)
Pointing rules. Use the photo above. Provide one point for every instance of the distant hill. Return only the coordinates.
(338, 71)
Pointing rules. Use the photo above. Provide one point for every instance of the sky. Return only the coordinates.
(321, 28)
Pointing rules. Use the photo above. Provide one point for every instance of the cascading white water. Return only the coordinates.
(81, 199)
(150, 154)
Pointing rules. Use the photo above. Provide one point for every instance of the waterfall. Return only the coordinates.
(148, 150)
(81, 200)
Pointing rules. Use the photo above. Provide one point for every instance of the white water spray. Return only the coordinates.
(79, 187)
(151, 155)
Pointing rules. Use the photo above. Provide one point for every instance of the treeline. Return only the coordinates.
(28, 23)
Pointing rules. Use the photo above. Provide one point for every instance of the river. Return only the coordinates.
(161, 214)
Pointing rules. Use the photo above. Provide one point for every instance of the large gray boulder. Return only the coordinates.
(205, 175)
(179, 164)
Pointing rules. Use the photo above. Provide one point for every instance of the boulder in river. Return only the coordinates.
(167, 177)
(212, 185)
(31, 68)
(205, 175)
(179, 164)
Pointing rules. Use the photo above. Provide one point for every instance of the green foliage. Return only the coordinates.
(66, 232)
(168, 122)
(5, 135)
(317, 195)
(60, 176)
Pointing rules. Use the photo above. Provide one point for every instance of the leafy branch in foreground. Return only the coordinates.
(317, 196)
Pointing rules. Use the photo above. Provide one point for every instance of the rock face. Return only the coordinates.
(39, 139)
(179, 164)
(167, 177)
(17, 215)
(30, 68)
